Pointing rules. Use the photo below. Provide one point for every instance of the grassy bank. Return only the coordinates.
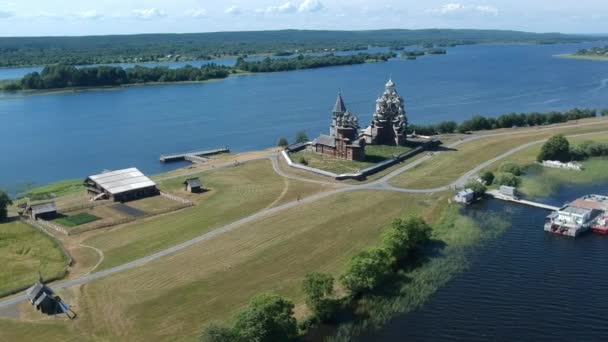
(24, 252)
(590, 58)
(457, 234)
(448, 166)
(542, 181)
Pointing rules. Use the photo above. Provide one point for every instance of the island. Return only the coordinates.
(594, 53)
(62, 76)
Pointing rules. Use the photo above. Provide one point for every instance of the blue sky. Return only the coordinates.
(85, 17)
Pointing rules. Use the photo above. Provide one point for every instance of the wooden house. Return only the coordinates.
(193, 185)
(40, 209)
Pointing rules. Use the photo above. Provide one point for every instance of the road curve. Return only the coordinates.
(380, 184)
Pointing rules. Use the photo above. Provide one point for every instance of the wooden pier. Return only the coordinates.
(497, 195)
(193, 156)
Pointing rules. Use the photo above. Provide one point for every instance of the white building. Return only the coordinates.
(465, 196)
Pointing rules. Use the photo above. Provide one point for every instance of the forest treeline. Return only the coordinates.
(593, 52)
(510, 120)
(309, 62)
(89, 50)
(67, 76)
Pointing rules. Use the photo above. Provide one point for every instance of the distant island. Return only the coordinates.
(61, 76)
(142, 48)
(594, 53)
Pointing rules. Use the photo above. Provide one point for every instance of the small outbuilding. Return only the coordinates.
(465, 196)
(121, 185)
(508, 191)
(46, 301)
(193, 185)
(40, 209)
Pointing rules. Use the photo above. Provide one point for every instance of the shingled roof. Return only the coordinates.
(339, 107)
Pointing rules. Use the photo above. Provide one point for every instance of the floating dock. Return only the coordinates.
(496, 194)
(199, 156)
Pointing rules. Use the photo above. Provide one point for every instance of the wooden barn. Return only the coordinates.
(193, 185)
(44, 300)
(121, 185)
(40, 209)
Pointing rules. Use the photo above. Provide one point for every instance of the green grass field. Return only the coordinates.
(234, 193)
(76, 220)
(543, 181)
(373, 154)
(446, 167)
(172, 298)
(24, 252)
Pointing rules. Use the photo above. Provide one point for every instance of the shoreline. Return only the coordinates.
(581, 57)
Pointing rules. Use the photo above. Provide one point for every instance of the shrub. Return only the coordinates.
(282, 142)
(218, 332)
(487, 177)
(478, 188)
(366, 271)
(507, 179)
(511, 168)
(267, 318)
(5, 201)
(556, 148)
(404, 236)
(301, 137)
(318, 288)
(303, 161)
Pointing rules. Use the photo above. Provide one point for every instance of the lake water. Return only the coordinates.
(527, 285)
(49, 137)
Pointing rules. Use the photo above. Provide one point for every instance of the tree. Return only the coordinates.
(511, 168)
(5, 201)
(318, 288)
(556, 148)
(447, 127)
(218, 332)
(507, 179)
(404, 236)
(604, 112)
(478, 188)
(282, 142)
(487, 177)
(366, 271)
(301, 137)
(267, 318)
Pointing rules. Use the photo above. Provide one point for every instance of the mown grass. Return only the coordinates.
(233, 193)
(76, 220)
(542, 181)
(447, 167)
(373, 154)
(172, 298)
(24, 252)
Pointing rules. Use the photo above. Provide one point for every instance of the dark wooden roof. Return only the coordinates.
(193, 182)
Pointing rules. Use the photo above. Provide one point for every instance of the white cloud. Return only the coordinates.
(5, 14)
(457, 8)
(310, 6)
(91, 14)
(287, 7)
(233, 10)
(196, 13)
(148, 13)
(487, 9)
